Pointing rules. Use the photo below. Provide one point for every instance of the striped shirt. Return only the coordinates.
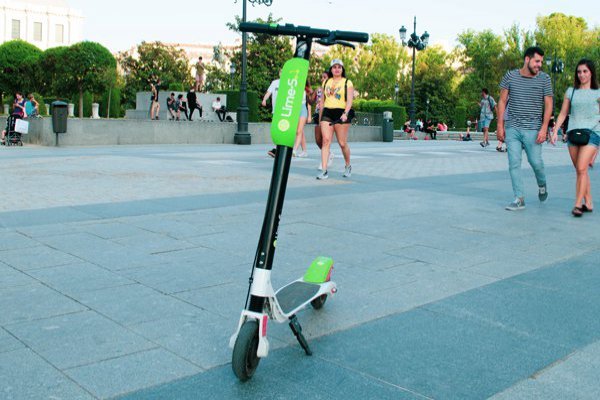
(526, 99)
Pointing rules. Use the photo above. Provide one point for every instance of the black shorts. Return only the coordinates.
(331, 114)
(335, 114)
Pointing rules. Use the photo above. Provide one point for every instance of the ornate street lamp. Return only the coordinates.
(231, 73)
(557, 66)
(417, 44)
(396, 91)
(242, 136)
(427, 111)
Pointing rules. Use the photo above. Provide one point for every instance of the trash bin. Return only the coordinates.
(387, 127)
(60, 113)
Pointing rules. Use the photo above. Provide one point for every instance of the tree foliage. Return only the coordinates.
(569, 39)
(19, 67)
(266, 55)
(150, 61)
(86, 66)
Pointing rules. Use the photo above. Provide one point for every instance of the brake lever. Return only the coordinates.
(344, 43)
(330, 42)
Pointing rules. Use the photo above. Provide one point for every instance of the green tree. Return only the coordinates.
(374, 68)
(86, 66)
(217, 73)
(150, 61)
(54, 71)
(19, 67)
(568, 38)
(435, 80)
(266, 55)
(479, 54)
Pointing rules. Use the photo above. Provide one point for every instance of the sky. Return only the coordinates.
(122, 24)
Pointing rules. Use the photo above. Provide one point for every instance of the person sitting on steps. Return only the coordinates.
(219, 109)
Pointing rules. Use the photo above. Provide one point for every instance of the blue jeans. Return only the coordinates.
(518, 140)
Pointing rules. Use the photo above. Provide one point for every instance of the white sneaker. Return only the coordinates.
(347, 171)
(323, 175)
(302, 154)
(330, 160)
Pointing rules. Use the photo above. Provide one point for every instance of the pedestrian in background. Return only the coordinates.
(486, 114)
(154, 104)
(272, 93)
(335, 106)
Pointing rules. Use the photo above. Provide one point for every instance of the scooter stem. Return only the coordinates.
(268, 236)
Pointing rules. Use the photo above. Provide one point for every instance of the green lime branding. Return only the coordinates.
(289, 101)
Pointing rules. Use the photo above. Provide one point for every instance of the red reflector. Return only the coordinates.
(264, 325)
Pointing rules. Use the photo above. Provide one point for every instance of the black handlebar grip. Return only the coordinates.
(255, 27)
(359, 37)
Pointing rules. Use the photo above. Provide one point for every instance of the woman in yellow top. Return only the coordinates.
(334, 106)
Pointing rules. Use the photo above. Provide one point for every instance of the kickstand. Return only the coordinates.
(297, 329)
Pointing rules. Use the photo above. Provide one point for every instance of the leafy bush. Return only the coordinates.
(176, 87)
(398, 114)
(379, 106)
(233, 103)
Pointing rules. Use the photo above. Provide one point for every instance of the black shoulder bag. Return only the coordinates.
(578, 137)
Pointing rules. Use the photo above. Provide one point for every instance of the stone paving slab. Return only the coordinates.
(78, 339)
(149, 248)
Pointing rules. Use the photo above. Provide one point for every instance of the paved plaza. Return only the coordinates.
(123, 271)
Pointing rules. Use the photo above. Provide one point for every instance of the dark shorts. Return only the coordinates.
(332, 114)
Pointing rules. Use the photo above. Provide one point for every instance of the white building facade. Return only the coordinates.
(43, 23)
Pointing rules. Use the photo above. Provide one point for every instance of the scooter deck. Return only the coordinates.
(294, 294)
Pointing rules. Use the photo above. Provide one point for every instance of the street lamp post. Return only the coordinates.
(417, 44)
(427, 111)
(231, 74)
(557, 66)
(242, 136)
(396, 91)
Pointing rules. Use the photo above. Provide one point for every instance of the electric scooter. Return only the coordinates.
(249, 342)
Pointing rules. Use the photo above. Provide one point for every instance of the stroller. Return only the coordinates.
(12, 137)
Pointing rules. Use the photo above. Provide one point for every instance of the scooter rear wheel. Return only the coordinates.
(244, 360)
(319, 302)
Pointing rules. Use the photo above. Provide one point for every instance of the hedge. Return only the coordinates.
(176, 87)
(379, 106)
(233, 103)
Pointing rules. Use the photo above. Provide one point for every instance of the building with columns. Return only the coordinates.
(43, 23)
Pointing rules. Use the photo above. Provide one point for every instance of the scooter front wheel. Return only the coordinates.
(319, 302)
(245, 360)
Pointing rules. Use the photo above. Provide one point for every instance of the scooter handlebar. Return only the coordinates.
(292, 30)
(349, 36)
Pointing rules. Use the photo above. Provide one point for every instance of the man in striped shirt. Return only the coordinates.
(528, 94)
